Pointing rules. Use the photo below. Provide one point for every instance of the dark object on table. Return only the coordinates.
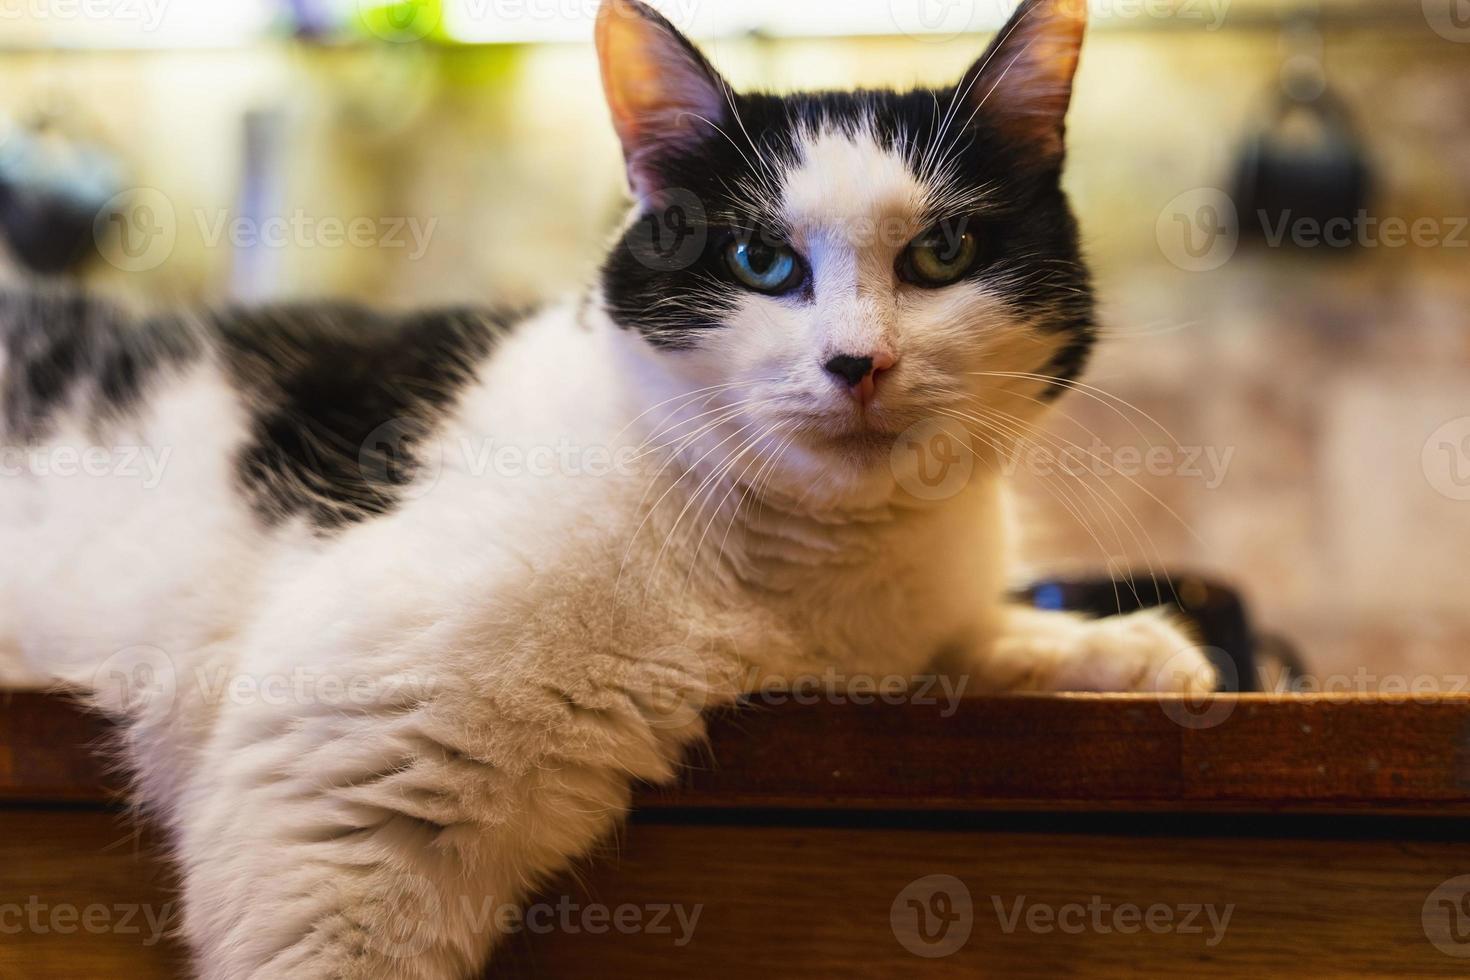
(51, 192)
(1303, 179)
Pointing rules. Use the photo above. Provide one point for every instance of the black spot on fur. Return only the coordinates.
(341, 399)
(65, 349)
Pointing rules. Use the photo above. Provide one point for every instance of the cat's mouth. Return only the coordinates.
(863, 431)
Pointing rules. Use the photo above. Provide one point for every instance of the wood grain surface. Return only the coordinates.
(1059, 752)
(820, 902)
(1024, 836)
(83, 896)
(817, 901)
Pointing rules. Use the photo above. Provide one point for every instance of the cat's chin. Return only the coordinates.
(839, 469)
(861, 445)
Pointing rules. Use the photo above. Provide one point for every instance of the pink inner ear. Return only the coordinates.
(661, 93)
(1031, 101)
(1025, 79)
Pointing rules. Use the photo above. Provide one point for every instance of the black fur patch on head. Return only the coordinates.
(341, 398)
(666, 278)
(67, 350)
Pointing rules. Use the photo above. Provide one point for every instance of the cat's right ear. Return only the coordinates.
(663, 94)
(1023, 82)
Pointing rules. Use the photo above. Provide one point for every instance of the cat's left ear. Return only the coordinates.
(664, 96)
(1022, 85)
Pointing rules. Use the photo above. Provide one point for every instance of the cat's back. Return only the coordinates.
(339, 398)
(305, 392)
(66, 355)
(153, 468)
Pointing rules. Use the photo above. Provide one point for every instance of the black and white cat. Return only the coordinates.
(361, 677)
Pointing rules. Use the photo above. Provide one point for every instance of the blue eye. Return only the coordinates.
(763, 266)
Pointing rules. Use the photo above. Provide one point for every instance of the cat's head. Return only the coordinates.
(820, 273)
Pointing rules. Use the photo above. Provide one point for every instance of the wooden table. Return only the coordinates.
(1074, 834)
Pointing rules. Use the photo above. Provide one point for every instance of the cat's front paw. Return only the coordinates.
(1143, 651)
(1140, 652)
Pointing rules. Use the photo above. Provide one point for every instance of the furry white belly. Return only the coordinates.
(135, 534)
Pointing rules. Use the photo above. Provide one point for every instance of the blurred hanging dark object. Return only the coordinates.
(51, 190)
(1303, 179)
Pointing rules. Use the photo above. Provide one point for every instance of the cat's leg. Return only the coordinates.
(1038, 650)
(395, 840)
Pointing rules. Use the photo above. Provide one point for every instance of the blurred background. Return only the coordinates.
(1274, 195)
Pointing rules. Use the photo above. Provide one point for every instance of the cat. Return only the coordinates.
(393, 609)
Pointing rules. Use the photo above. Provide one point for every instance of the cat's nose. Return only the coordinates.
(850, 369)
(860, 374)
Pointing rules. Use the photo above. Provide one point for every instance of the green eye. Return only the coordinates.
(939, 257)
(763, 266)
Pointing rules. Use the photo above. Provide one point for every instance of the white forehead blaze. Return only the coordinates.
(848, 193)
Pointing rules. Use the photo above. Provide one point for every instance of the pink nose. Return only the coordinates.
(860, 374)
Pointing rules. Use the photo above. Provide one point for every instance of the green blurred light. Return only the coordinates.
(402, 20)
